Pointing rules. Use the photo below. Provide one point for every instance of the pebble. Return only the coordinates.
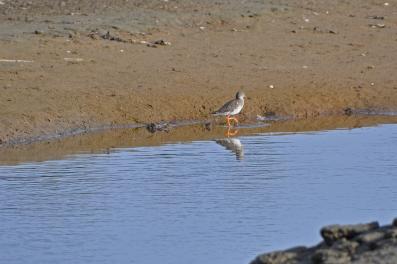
(377, 25)
(162, 42)
(271, 86)
(154, 127)
(74, 59)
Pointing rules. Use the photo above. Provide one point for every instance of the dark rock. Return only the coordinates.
(333, 233)
(154, 127)
(110, 37)
(348, 111)
(208, 126)
(151, 45)
(358, 244)
(346, 246)
(280, 257)
(392, 233)
(395, 222)
(160, 42)
(330, 256)
(371, 237)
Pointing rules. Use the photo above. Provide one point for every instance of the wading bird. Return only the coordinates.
(232, 108)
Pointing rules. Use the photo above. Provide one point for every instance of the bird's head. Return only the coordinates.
(240, 95)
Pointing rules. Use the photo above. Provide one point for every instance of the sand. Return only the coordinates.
(293, 58)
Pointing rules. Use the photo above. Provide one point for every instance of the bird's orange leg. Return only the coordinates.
(228, 121)
(235, 119)
(231, 133)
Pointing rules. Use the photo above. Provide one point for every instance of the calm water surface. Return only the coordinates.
(198, 202)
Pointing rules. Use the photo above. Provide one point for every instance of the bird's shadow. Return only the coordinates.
(232, 144)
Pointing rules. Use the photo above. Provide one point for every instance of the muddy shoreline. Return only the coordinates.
(105, 139)
(373, 117)
(69, 67)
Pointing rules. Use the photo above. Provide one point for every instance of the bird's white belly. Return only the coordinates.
(236, 110)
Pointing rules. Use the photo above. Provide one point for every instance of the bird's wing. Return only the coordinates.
(228, 107)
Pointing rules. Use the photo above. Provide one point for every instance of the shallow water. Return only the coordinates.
(197, 202)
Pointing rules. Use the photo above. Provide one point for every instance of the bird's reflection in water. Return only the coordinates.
(232, 144)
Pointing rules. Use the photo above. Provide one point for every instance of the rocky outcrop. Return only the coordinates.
(359, 244)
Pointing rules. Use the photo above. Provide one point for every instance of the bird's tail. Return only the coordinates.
(216, 113)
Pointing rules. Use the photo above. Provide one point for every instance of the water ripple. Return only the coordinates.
(200, 202)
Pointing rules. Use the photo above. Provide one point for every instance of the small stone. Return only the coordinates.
(386, 4)
(154, 127)
(348, 111)
(162, 42)
(377, 25)
(271, 86)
